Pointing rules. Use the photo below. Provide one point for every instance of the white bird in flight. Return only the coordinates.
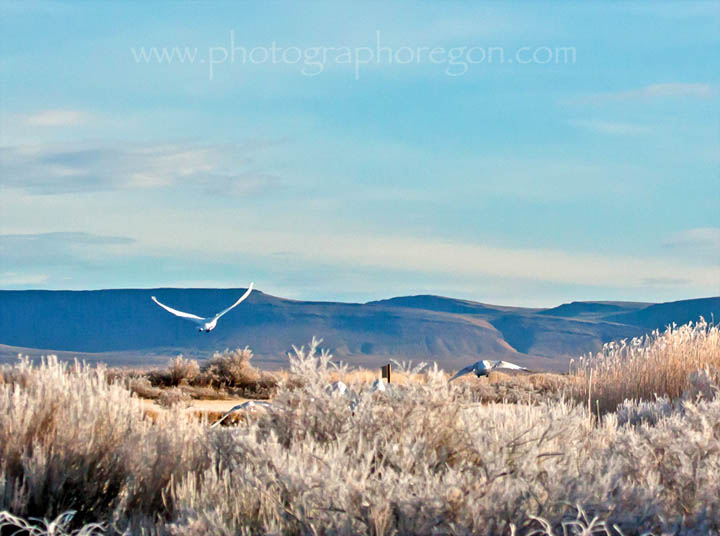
(206, 324)
(483, 368)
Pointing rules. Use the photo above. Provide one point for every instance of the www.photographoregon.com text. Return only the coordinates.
(313, 61)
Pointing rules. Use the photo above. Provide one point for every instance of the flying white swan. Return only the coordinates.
(483, 368)
(206, 324)
(249, 405)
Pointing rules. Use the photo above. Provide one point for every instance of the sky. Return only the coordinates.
(517, 153)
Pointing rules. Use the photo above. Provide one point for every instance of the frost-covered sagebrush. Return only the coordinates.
(421, 457)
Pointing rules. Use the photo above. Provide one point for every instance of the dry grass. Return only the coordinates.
(358, 376)
(423, 457)
(670, 364)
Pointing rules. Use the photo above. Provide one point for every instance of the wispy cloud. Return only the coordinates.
(669, 90)
(457, 259)
(49, 248)
(92, 167)
(610, 127)
(16, 279)
(55, 118)
(651, 92)
(58, 259)
(666, 281)
(434, 264)
(702, 238)
(69, 237)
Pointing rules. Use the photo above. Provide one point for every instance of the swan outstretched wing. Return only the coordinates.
(188, 316)
(462, 372)
(508, 365)
(241, 299)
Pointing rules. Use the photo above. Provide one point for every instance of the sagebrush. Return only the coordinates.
(421, 457)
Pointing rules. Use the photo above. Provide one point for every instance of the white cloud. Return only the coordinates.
(55, 118)
(366, 264)
(91, 167)
(15, 279)
(704, 238)
(453, 259)
(29, 250)
(667, 90)
(670, 89)
(610, 127)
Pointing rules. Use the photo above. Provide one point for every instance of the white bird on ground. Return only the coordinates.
(483, 368)
(249, 405)
(337, 387)
(377, 385)
(206, 324)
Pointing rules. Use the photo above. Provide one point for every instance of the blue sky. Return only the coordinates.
(569, 152)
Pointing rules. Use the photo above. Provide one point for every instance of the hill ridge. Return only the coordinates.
(424, 327)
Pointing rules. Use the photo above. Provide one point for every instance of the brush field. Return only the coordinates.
(627, 443)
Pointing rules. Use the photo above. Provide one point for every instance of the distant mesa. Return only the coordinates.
(593, 309)
(125, 327)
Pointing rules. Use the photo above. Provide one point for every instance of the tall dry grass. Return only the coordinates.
(661, 364)
(422, 457)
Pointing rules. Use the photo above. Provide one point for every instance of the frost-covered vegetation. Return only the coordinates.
(558, 455)
(225, 375)
(679, 361)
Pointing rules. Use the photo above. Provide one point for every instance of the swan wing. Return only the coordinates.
(250, 404)
(230, 412)
(240, 300)
(462, 372)
(187, 316)
(508, 365)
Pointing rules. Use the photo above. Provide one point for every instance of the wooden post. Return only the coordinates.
(385, 371)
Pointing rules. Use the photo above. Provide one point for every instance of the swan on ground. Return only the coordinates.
(206, 324)
(483, 368)
(337, 387)
(377, 385)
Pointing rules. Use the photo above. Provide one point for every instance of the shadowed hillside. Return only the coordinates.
(593, 310)
(125, 326)
(662, 314)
